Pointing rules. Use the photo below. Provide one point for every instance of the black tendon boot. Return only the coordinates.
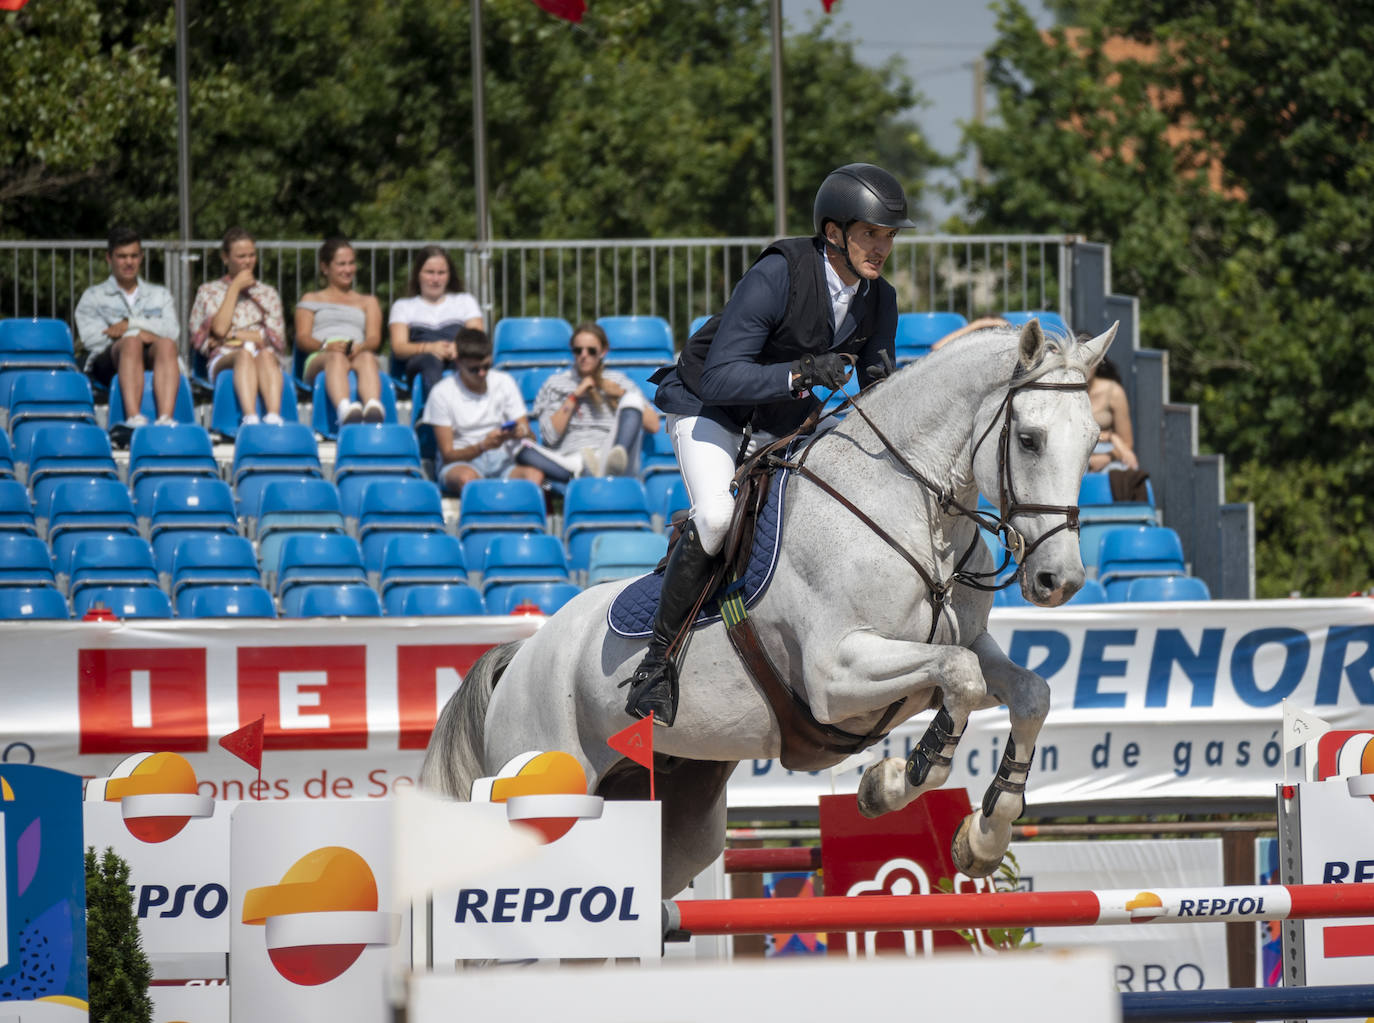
(653, 686)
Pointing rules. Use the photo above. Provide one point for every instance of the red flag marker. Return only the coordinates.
(568, 10)
(246, 743)
(637, 743)
(12, 5)
(827, 4)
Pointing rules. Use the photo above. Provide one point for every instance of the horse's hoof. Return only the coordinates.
(966, 861)
(876, 796)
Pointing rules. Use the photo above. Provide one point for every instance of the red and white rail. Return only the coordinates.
(1221, 904)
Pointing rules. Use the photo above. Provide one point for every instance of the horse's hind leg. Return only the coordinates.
(693, 795)
(984, 835)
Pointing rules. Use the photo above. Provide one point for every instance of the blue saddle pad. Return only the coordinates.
(631, 614)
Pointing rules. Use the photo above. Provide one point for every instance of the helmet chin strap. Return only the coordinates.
(844, 252)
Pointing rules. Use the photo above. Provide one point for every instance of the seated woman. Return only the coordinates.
(423, 325)
(342, 330)
(237, 324)
(1116, 442)
(590, 417)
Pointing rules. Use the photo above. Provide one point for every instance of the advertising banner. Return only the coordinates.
(1148, 700)
(205, 1002)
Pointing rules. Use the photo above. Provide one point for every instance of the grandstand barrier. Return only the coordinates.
(1223, 904)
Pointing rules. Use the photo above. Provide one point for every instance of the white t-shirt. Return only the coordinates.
(471, 416)
(435, 321)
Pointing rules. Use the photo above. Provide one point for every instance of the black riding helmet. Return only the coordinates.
(859, 191)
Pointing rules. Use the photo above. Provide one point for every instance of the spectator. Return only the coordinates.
(478, 417)
(342, 331)
(591, 416)
(423, 325)
(237, 324)
(1116, 442)
(127, 325)
(982, 323)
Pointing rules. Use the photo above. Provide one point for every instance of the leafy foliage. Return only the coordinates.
(1007, 878)
(118, 970)
(1228, 157)
(650, 118)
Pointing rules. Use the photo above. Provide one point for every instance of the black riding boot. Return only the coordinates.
(653, 686)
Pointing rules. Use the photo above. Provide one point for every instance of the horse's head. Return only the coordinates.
(1036, 439)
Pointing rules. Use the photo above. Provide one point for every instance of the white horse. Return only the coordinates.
(849, 621)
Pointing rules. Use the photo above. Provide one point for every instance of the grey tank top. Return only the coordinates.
(335, 321)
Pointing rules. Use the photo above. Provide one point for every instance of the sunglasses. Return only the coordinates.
(479, 367)
(587, 350)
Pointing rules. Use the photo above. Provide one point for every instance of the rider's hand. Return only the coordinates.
(881, 370)
(824, 370)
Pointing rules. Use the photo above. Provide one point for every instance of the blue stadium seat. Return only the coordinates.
(1010, 596)
(595, 505)
(513, 560)
(307, 559)
(531, 341)
(531, 379)
(697, 323)
(344, 600)
(111, 561)
(27, 344)
(124, 601)
(1098, 514)
(16, 510)
(435, 599)
(46, 395)
(183, 409)
(160, 452)
(25, 561)
(324, 417)
(264, 453)
(6, 457)
(411, 559)
(1093, 592)
(225, 414)
(230, 601)
(656, 454)
(369, 454)
(492, 507)
(916, 332)
(1050, 322)
(624, 555)
(637, 339)
(1167, 587)
(32, 602)
(548, 597)
(185, 506)
(391, 508)
(1129, 552)
(213, 559)
(288, 507)
(59, 451)
(82, 506)
(676, 501)
(658, 488)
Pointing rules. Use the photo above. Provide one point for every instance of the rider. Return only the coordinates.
(744, 379)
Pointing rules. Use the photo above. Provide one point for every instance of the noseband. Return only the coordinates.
(1008, 505)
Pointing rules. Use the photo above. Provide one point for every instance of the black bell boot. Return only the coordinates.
(653, 686)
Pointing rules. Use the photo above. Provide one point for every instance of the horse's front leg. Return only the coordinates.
(865, 672)
(984, 835)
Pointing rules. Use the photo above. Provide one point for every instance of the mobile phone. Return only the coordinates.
(510, 424)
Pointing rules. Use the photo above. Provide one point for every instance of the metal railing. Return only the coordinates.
(678, 279)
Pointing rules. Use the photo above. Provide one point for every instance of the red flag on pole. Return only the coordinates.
(246, 743)
(12, 5)
(637, 743)
(827, 4)
(568, 10)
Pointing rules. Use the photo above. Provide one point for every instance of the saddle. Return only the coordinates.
(807, 744)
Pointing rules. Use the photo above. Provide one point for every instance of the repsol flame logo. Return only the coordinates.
(543, 791)
(156, 793)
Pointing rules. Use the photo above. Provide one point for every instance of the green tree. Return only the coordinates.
(1229, 162)
(650, 118)
(118, 970)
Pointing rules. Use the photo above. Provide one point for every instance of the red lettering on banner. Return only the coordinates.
(136, 700)
(326, 711)
(417, 684)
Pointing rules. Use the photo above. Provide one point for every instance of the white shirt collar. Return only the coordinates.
(841, 294)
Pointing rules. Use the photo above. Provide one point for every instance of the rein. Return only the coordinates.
(1008, 505)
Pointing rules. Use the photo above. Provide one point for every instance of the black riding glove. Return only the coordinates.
(825, 370)
(881, 369)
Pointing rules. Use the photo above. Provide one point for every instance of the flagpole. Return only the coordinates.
(479, 160)
(779, 138)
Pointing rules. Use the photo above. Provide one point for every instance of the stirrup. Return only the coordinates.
(1002, 782)
(653, 687)
(930, 751)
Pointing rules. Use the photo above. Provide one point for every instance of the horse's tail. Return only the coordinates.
(453, 759)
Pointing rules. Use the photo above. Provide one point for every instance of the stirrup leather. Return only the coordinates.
(1002, 781)
(931, 750)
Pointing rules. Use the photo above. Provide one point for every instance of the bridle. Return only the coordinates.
(1013, 543)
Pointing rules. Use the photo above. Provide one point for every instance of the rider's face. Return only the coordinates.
(869, 246)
